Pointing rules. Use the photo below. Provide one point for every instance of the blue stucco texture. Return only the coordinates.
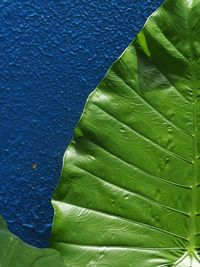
(52, 55)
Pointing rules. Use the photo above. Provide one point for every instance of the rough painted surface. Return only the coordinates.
(52, 55)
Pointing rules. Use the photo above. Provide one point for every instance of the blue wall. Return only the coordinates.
(52, 55)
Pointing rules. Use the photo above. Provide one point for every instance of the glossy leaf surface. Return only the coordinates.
(15, 253)
(129, 194)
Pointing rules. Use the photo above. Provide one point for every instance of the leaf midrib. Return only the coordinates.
(192, 235)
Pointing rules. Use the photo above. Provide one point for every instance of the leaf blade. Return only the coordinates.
(134, 157)
(16, 253)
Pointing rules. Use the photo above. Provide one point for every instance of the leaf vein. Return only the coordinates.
(152, 107)
(138, 168)
(108, 214)
(146, 138)
(136, 194)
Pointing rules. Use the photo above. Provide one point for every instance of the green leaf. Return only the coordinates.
(129, 194)
(15, 253)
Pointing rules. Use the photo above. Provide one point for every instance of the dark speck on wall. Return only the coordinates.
(34, 166)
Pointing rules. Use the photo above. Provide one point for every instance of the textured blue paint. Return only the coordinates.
(52, 55)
